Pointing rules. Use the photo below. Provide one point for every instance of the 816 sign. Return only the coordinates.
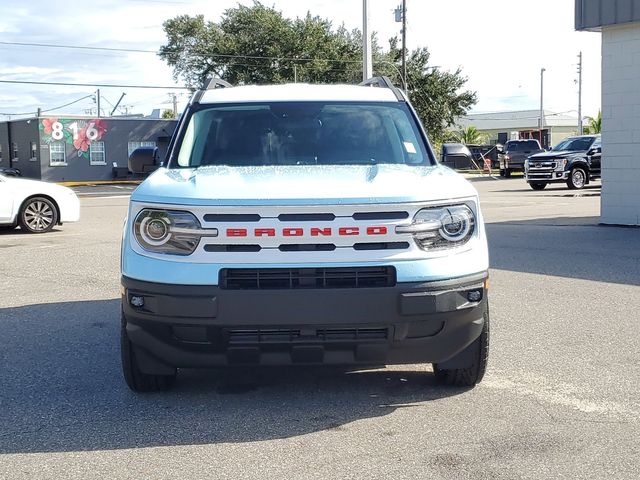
(57, 131)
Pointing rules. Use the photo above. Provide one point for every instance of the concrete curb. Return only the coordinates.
(100, 182)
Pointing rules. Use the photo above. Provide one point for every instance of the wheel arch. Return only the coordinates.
(39, 195)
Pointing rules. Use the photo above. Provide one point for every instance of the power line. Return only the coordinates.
(102, 85)
(50, 109)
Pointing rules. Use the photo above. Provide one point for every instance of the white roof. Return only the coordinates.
(518, 120)
(298, 92)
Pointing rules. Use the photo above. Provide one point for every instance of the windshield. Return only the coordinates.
(302, 133)
(574, 144)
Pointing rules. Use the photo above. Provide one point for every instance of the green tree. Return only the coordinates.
(258, 45)
(168, 114)
(594, 125)
(470, 136)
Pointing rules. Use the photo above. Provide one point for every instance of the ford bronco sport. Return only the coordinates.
(301, 225)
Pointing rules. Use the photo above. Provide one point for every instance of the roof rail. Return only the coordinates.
(383, 82)
(210, 83)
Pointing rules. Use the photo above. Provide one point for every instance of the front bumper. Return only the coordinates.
(546, 176)
(206, 326)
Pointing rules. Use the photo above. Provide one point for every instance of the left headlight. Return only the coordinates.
(439, 228)
(169, 231)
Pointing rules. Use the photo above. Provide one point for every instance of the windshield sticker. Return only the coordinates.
(410, 147)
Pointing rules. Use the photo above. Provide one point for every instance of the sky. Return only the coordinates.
(500, 45)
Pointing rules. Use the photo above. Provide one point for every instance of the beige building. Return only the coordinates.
(523, 124)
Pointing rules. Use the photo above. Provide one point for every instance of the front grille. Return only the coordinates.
(290, 335)
(306, 278)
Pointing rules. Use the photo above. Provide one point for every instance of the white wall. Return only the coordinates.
(621, 125)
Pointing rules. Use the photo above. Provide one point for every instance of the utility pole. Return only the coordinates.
(367, 54)
(174, 99)
(98, 101)
(117, 103)
(542, 103)
(580, 126)
(404, 44)
(401, 16)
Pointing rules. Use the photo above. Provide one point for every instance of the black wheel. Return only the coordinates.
(577, 179)
(507, 173)
(538, 185)
(136, 380)
(38, 215)
(472, 375)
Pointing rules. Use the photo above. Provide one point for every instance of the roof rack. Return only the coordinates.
(210, 83)
(383, 82)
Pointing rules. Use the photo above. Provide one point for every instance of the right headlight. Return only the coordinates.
(169, 231)
(439, 228)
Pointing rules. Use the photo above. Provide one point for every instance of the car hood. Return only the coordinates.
(555, 154)
(291, 185)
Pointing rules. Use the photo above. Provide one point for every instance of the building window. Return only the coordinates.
(134, 145)
(57, 154)
(96, 154)
(34, 152)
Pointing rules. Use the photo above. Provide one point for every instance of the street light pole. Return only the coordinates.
(580, 126)
(404, 44)
(542, 103)
(367, 60)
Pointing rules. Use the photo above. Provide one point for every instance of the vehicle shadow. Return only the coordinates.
(574, 247)
(62, 390)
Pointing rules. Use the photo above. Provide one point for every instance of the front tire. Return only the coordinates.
(538, 185)
(136, 379)
(472, 375)
(38, 215)
(577, 179)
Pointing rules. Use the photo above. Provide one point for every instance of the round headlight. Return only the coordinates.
(155, 231)
(456, 224)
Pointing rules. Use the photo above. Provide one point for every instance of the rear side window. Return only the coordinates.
(303, 133)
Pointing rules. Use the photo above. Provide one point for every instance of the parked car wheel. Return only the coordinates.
(577, 179)
(470, 376)
(136, 379)
(38, 215)
(538, 185)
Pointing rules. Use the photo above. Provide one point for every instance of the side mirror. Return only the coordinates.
(595, 151)
(143, 160)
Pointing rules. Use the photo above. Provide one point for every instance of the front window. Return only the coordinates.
(303, 133)
(57, 154)
(580, 144)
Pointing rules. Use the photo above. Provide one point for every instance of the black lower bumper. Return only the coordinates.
(206, 326)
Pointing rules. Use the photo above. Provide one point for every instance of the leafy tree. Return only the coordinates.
(257, 45)
(594, 125)
(470, 136)
(168, 114)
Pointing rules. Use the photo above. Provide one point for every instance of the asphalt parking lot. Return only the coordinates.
(560, 400)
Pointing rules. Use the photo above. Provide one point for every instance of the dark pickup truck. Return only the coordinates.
(514, 155)
(574, 161)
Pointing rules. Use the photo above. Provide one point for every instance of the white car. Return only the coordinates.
(36, 206)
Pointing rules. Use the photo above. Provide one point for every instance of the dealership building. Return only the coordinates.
(619, 22)
(74, 148)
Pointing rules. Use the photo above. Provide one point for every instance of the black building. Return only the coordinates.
(73, 148)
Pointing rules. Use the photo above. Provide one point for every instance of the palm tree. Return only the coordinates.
(470, 136)
(594, 126)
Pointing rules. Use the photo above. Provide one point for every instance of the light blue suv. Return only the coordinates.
(301, 225)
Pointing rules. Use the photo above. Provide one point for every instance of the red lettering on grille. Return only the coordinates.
(293, 232)
(265, 232)
(236, 232)
(345, 231)
(316, 232)
(377, 230)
